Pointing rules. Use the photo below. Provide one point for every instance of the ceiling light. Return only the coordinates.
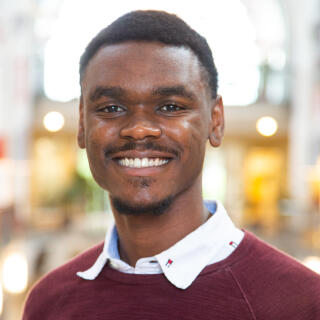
(53, 121)
(267, 126)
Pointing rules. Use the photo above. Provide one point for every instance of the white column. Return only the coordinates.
(302, 18)
(16, 98)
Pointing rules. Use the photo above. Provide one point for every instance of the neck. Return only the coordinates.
(148, 235)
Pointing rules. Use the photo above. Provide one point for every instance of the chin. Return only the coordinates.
(141, 208)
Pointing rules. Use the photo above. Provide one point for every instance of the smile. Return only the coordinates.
(142, 163)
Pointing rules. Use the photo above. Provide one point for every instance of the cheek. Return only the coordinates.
(98, 135)
(191, 134)
(99, 132)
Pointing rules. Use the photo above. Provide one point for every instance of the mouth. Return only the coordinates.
(142, 162)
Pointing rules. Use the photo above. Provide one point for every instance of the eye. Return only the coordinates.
(171, 108)
(112, 109)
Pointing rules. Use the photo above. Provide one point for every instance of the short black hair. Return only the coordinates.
(158, 26)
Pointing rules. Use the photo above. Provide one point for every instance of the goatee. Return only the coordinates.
(155, 209)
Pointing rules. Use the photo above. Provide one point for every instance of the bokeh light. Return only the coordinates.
(267, 126)
(53, 121)
(313, 263)
(15, 273)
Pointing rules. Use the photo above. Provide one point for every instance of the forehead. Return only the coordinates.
(142, 66)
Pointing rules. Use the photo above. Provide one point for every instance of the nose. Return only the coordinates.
(140, 129)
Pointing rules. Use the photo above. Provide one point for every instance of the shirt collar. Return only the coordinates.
(181, 264)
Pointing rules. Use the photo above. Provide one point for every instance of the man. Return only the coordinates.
(148, 106)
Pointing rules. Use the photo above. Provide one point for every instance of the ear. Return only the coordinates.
(81, 135)
(217, 122)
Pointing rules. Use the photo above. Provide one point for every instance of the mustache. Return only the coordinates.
(108, 151)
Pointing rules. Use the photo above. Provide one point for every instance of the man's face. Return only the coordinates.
(145, 117)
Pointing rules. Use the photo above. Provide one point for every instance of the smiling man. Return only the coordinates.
(148, 106)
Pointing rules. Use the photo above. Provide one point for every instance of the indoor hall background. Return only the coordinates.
(267, 172)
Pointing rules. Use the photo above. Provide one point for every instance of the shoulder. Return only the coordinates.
(45, 293)
(267, 274)
(258, 254)
(259, 258)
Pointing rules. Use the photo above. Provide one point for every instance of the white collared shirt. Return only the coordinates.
(212, 242)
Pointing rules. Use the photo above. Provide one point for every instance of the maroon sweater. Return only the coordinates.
(255, 282)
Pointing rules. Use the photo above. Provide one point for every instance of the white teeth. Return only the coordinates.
(142, 163)
(137, 163)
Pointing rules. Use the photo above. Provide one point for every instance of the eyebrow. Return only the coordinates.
(174, 91)
(116, 92)
(99, 92)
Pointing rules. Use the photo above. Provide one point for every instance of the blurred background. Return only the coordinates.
(267, 172)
